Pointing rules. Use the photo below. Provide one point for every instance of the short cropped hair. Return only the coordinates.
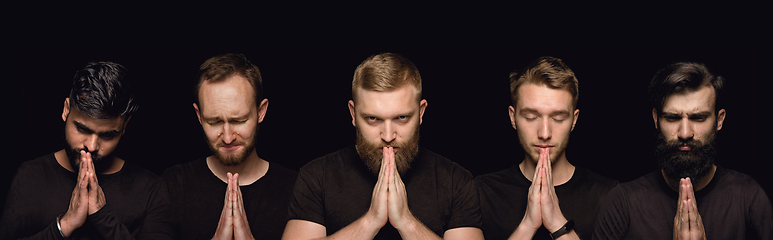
(683, 77)
(221, 67)
(385, 72)
(546, 71)
(101, 90)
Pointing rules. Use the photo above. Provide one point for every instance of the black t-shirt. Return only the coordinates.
(189, 200)
(42, 190)
(732, 206)
(503, 200)
(336, 189)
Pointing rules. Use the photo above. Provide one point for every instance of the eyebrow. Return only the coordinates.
(693, 114)
(238, 118)
(88, 130)
(553, 113)
(409, 113)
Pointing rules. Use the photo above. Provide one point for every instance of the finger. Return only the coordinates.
(690, 191)
(684, 225)
(692, 213)
(548, 166)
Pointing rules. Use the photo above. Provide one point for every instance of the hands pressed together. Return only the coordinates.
(542, 205)
(390, 201)
(87, 197)
(233, 222)
(687, 223)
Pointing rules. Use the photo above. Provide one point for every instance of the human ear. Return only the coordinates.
(720, 118)
(576, 116)
(198, 113)
(66, 109)
(422, 107)
(351, 111)
(511, 111)
(655, 117)
(262, 109)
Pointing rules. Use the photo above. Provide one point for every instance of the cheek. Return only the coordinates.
(211, 133)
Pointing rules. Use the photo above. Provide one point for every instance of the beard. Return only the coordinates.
(74, 155)
(237, 158)
(372, 157)
(696, 163)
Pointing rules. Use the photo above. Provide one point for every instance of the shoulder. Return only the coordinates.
(133, 170)
(333, 160)
(281, 172)
(737, 182)
(40, 164)
(504, 176)
(441, 164)
(735, 179)
(179, 172)
(589, 177)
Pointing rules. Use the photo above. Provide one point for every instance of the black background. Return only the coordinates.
(466, 86)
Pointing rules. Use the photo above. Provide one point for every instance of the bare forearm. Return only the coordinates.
(415, 230)
(522, 232)
(363, 228)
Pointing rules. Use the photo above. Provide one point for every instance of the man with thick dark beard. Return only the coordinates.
(689, 197)
(385, 178)
(189, 202)
(83, 191)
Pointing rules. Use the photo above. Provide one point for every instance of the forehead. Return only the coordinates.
(541, 97)
(396, 101)
(95, 124)
(691, 101)
(234, 94)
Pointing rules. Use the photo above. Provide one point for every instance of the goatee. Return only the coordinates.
(677, 164)
(235, 159)
(74, 154)
(372, 156)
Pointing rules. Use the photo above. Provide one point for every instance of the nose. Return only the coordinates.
(91, 143)
(685, 130)
(229, 133)
(388, 133)
(545, 131)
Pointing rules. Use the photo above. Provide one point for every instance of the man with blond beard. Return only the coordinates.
(384, 187)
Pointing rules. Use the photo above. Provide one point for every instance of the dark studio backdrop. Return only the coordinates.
(466, 86)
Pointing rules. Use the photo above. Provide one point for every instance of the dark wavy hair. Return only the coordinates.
(101, 90)
(683, 77)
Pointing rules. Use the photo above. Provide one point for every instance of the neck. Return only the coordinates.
(252, 169)
(698, 184)
(562, 169)
(107, 165)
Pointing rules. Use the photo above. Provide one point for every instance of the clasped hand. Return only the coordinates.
(389, 201)
(687, 223)
(87, 197)
(233, 222)
(542, 205)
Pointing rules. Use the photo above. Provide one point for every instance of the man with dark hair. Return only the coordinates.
(545, 196)
(189, 202)
(354, 192)
(106, 195)
(689, 197)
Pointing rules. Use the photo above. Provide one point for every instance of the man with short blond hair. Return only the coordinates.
(386, 186)
(545, 196)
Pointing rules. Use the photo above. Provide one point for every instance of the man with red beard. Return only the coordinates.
(689, 197)
(189, 202)
(545, 196)
(83, 191)
(384, 187)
